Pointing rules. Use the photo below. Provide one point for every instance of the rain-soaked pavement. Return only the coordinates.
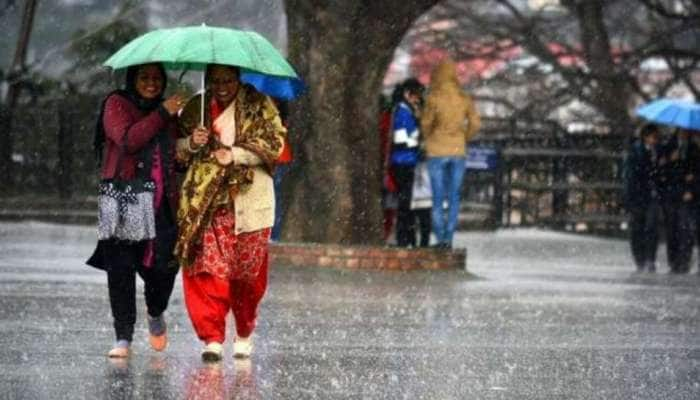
(545, 316)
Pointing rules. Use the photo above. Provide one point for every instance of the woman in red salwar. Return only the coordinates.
(226, 207)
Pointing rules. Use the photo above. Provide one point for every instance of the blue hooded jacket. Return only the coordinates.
(405, 136)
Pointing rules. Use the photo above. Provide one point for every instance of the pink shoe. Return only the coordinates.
(120, 350)
(158, 343)
(157, 336)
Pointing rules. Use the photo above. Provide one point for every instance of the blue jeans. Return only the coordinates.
(446, 176)
(280, 173)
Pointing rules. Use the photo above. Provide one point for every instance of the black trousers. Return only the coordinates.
(424, 226)
(405, 219)
(125, 262)
(644, 233)
(696, 216)
(679, 235)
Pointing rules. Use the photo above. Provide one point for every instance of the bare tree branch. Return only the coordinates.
(692, 10)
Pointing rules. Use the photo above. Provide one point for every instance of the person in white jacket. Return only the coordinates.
(422, 202)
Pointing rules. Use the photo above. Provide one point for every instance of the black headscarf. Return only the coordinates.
(129, 92)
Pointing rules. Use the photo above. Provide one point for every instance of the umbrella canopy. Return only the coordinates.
(674, 112)
(281, 88)
(193, 47)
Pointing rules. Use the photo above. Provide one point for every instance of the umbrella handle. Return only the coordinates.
(201, 114)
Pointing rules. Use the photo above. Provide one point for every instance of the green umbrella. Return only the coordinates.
(193, 47)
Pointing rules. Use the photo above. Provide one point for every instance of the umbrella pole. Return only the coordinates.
(201, 114)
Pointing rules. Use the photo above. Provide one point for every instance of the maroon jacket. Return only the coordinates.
(122, 116)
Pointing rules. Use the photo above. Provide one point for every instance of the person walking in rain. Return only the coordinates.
(138, 120)
(695, 185)
(227, 207)
(404, 156)
(641, 197)
(677, 184)
(447, 108)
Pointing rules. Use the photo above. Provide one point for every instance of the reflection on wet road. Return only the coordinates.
(541, 316)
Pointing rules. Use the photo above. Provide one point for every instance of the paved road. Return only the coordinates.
(544, 316)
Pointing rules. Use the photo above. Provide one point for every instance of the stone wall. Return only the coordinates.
(366, 257)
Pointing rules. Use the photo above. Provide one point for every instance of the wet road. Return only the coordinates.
(544, 316)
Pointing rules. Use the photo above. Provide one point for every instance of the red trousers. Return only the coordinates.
(389, 218)
(210, 295)
(209, 299)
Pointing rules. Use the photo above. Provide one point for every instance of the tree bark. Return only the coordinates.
(611, 92)
(342, 50)
(65, 139)
(13, 91)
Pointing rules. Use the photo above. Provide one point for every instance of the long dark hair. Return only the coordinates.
(129, 92)
(395, 97)
(413, 86)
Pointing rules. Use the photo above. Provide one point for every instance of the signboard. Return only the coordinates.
(481, 158)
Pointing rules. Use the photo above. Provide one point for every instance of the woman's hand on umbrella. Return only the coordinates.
(174, 103)
(200, 136)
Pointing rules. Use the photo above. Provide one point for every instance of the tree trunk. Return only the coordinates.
(342, 50)
(611, 94)
(7, 109)
(64, 173)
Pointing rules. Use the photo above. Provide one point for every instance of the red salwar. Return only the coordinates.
(229, 273)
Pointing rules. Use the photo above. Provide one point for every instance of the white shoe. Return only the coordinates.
(212, 352)
(242, 347)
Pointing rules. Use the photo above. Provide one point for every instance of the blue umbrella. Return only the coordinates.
(285, 88)
(674, 112)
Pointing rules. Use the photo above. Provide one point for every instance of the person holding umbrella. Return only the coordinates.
(135, 123)
(694, 184)
(231, 138)
(678, 177)
(677, 186)
(227, 206)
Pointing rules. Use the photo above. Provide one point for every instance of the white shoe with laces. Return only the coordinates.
(242, 347)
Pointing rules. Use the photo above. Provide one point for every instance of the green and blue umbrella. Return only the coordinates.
(193, 47)
(281, 88)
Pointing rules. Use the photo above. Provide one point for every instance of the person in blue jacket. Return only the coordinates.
(404, 155)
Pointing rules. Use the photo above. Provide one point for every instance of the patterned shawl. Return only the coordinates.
(209, 185)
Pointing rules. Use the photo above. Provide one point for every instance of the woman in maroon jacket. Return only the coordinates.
(139, 117)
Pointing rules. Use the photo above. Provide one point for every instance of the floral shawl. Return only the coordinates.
(207, 184)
